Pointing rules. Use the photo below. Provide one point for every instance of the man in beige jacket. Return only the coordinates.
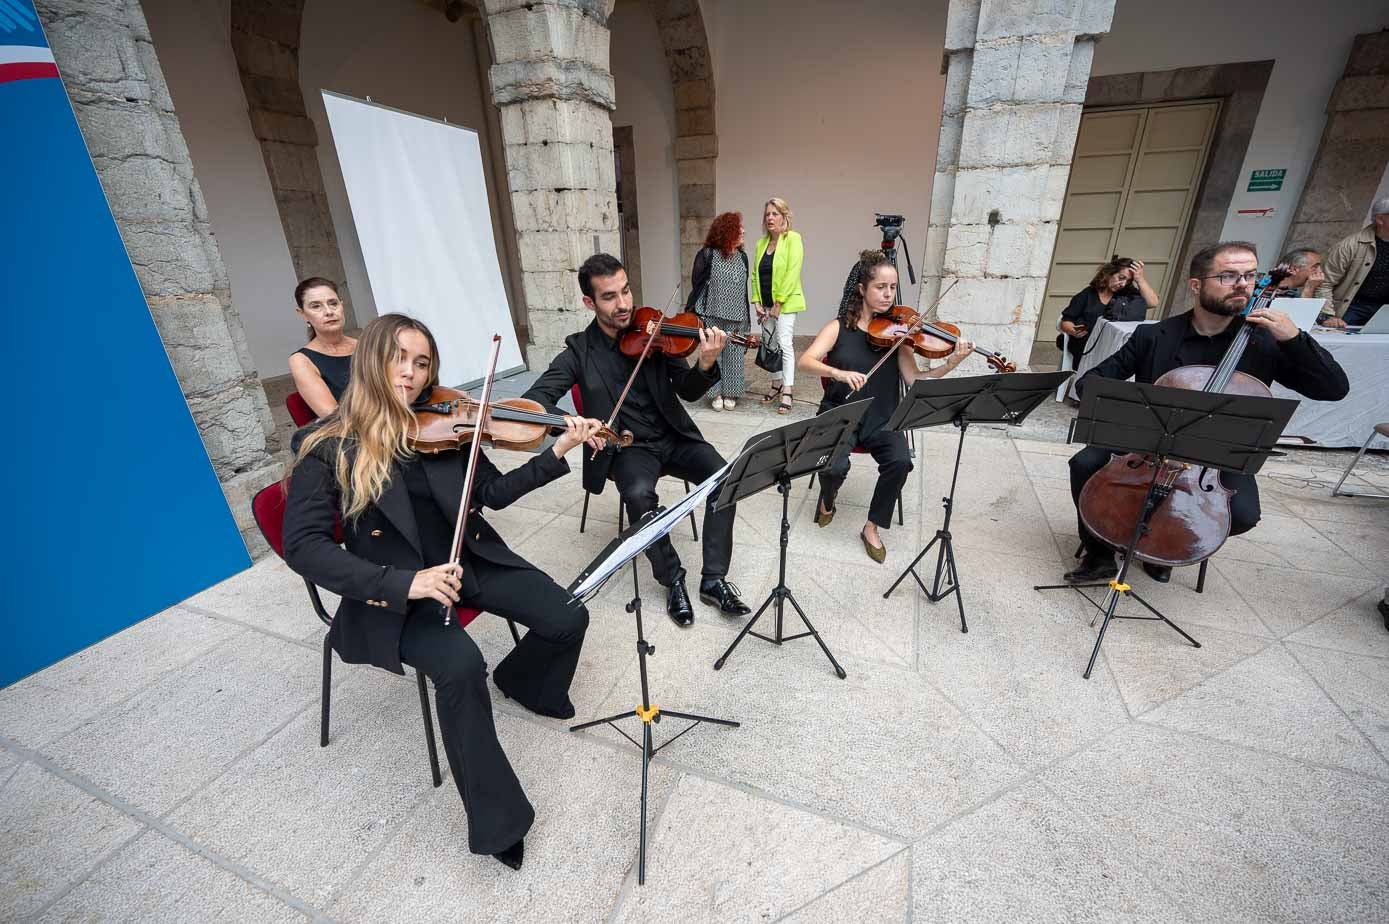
(1357, 270)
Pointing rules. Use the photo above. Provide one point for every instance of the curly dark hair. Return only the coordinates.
(1114, 265)
(724, 232)
(870, 262)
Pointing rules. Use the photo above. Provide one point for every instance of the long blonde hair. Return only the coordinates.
(781, 206)
(370, 416)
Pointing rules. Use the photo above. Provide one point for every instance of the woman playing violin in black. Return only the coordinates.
(397, 508)
(842, 354)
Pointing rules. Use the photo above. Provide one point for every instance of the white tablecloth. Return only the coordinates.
(1365, 357)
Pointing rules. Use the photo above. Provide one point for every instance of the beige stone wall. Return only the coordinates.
(1015, 85)
(553, 86)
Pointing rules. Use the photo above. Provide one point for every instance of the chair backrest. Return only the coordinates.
(299, 410)
(268, 508)
(577, 399)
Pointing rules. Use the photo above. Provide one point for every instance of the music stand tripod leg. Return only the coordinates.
(945, 557)
(648, 714)
(779, 595)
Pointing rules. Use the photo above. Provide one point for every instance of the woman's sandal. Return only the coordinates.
(773, 394)
(786, 403)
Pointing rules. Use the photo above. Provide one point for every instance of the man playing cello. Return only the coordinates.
(1222, 281)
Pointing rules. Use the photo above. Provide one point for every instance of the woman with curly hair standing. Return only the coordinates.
(719, 295)
(778, 292)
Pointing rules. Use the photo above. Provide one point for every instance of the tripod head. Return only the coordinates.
(891, 226)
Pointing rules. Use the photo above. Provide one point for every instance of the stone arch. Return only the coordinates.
(265, 37)
(686, 43)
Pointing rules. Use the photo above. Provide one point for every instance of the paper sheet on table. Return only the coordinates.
(645, 535)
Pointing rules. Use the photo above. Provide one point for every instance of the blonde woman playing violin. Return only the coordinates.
(397, 509)
(842, 354)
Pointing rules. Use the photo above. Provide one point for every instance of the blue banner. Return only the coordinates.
(115, 511)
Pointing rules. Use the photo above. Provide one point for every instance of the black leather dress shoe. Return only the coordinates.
(1093, 567)
(1160, 573)
(678, 605)
(724, 595)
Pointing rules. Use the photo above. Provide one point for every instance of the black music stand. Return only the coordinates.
(1232, 433)
(961, 402)
(646, 711)
(774, 458)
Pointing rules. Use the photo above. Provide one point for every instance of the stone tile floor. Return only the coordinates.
(172, 772)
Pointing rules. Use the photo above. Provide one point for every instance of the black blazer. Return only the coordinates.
(667, 378)
(382, 552)
(1299, 364)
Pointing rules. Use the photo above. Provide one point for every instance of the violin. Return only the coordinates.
(448, 420)
(676, 336)
(1190, 519)
(931, 339)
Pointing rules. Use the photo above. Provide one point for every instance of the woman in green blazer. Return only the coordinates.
(776, 285)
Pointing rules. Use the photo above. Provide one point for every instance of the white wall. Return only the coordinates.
(834, 107)
(646, 101)
(401, 54)
(1309, 43)
(191, 39)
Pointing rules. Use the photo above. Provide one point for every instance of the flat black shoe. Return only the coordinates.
(1160, 573)
(1384, 611)
(1093, 567)
(678, 605)
(512, 856)
(724, 595)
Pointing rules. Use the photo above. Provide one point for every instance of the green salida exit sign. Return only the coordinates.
(1266, 180)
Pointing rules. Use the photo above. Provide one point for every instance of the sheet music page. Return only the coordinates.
(636, 543)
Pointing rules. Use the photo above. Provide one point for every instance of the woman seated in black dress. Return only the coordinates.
(1119, 292)
(397, 509)
(320, 367)
(842, 354)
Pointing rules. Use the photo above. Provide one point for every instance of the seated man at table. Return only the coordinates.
(1222, 280)
(1357, 270)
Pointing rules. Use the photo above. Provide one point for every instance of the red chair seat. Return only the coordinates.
(299, 410)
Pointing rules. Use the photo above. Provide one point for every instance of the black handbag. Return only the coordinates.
(769, 351)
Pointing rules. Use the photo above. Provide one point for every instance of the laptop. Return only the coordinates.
(1379, 324)
(1303, 311)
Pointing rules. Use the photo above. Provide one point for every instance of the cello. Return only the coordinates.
(1190, 519)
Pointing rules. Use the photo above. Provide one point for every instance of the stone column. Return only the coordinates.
(1354, 149)
(265, 40)
(112, 76)
(686, 44)
(552, 84)
(1015, 84)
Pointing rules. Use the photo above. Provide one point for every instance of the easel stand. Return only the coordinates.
(1234, 433)
(774, 458)
(982, 398)
(648, 714)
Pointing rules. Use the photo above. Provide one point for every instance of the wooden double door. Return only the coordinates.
(1133, 182)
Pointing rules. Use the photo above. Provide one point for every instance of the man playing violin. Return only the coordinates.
(1222, 281)
(665, 438)
(393, 571)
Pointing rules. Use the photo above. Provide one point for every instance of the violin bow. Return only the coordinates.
(902, 338)
(611, 422)
(465, 500)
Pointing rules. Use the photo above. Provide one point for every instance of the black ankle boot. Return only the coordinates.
(512, 856)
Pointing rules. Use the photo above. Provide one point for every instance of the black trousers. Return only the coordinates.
(889, 450)
(636, 470)
(1244, 505)
(536, 674)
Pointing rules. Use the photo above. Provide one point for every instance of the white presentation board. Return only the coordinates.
(419, 201)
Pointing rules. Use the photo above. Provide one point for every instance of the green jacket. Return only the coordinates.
(786, 272)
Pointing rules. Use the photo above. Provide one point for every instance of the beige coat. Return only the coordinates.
(1346, 267)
